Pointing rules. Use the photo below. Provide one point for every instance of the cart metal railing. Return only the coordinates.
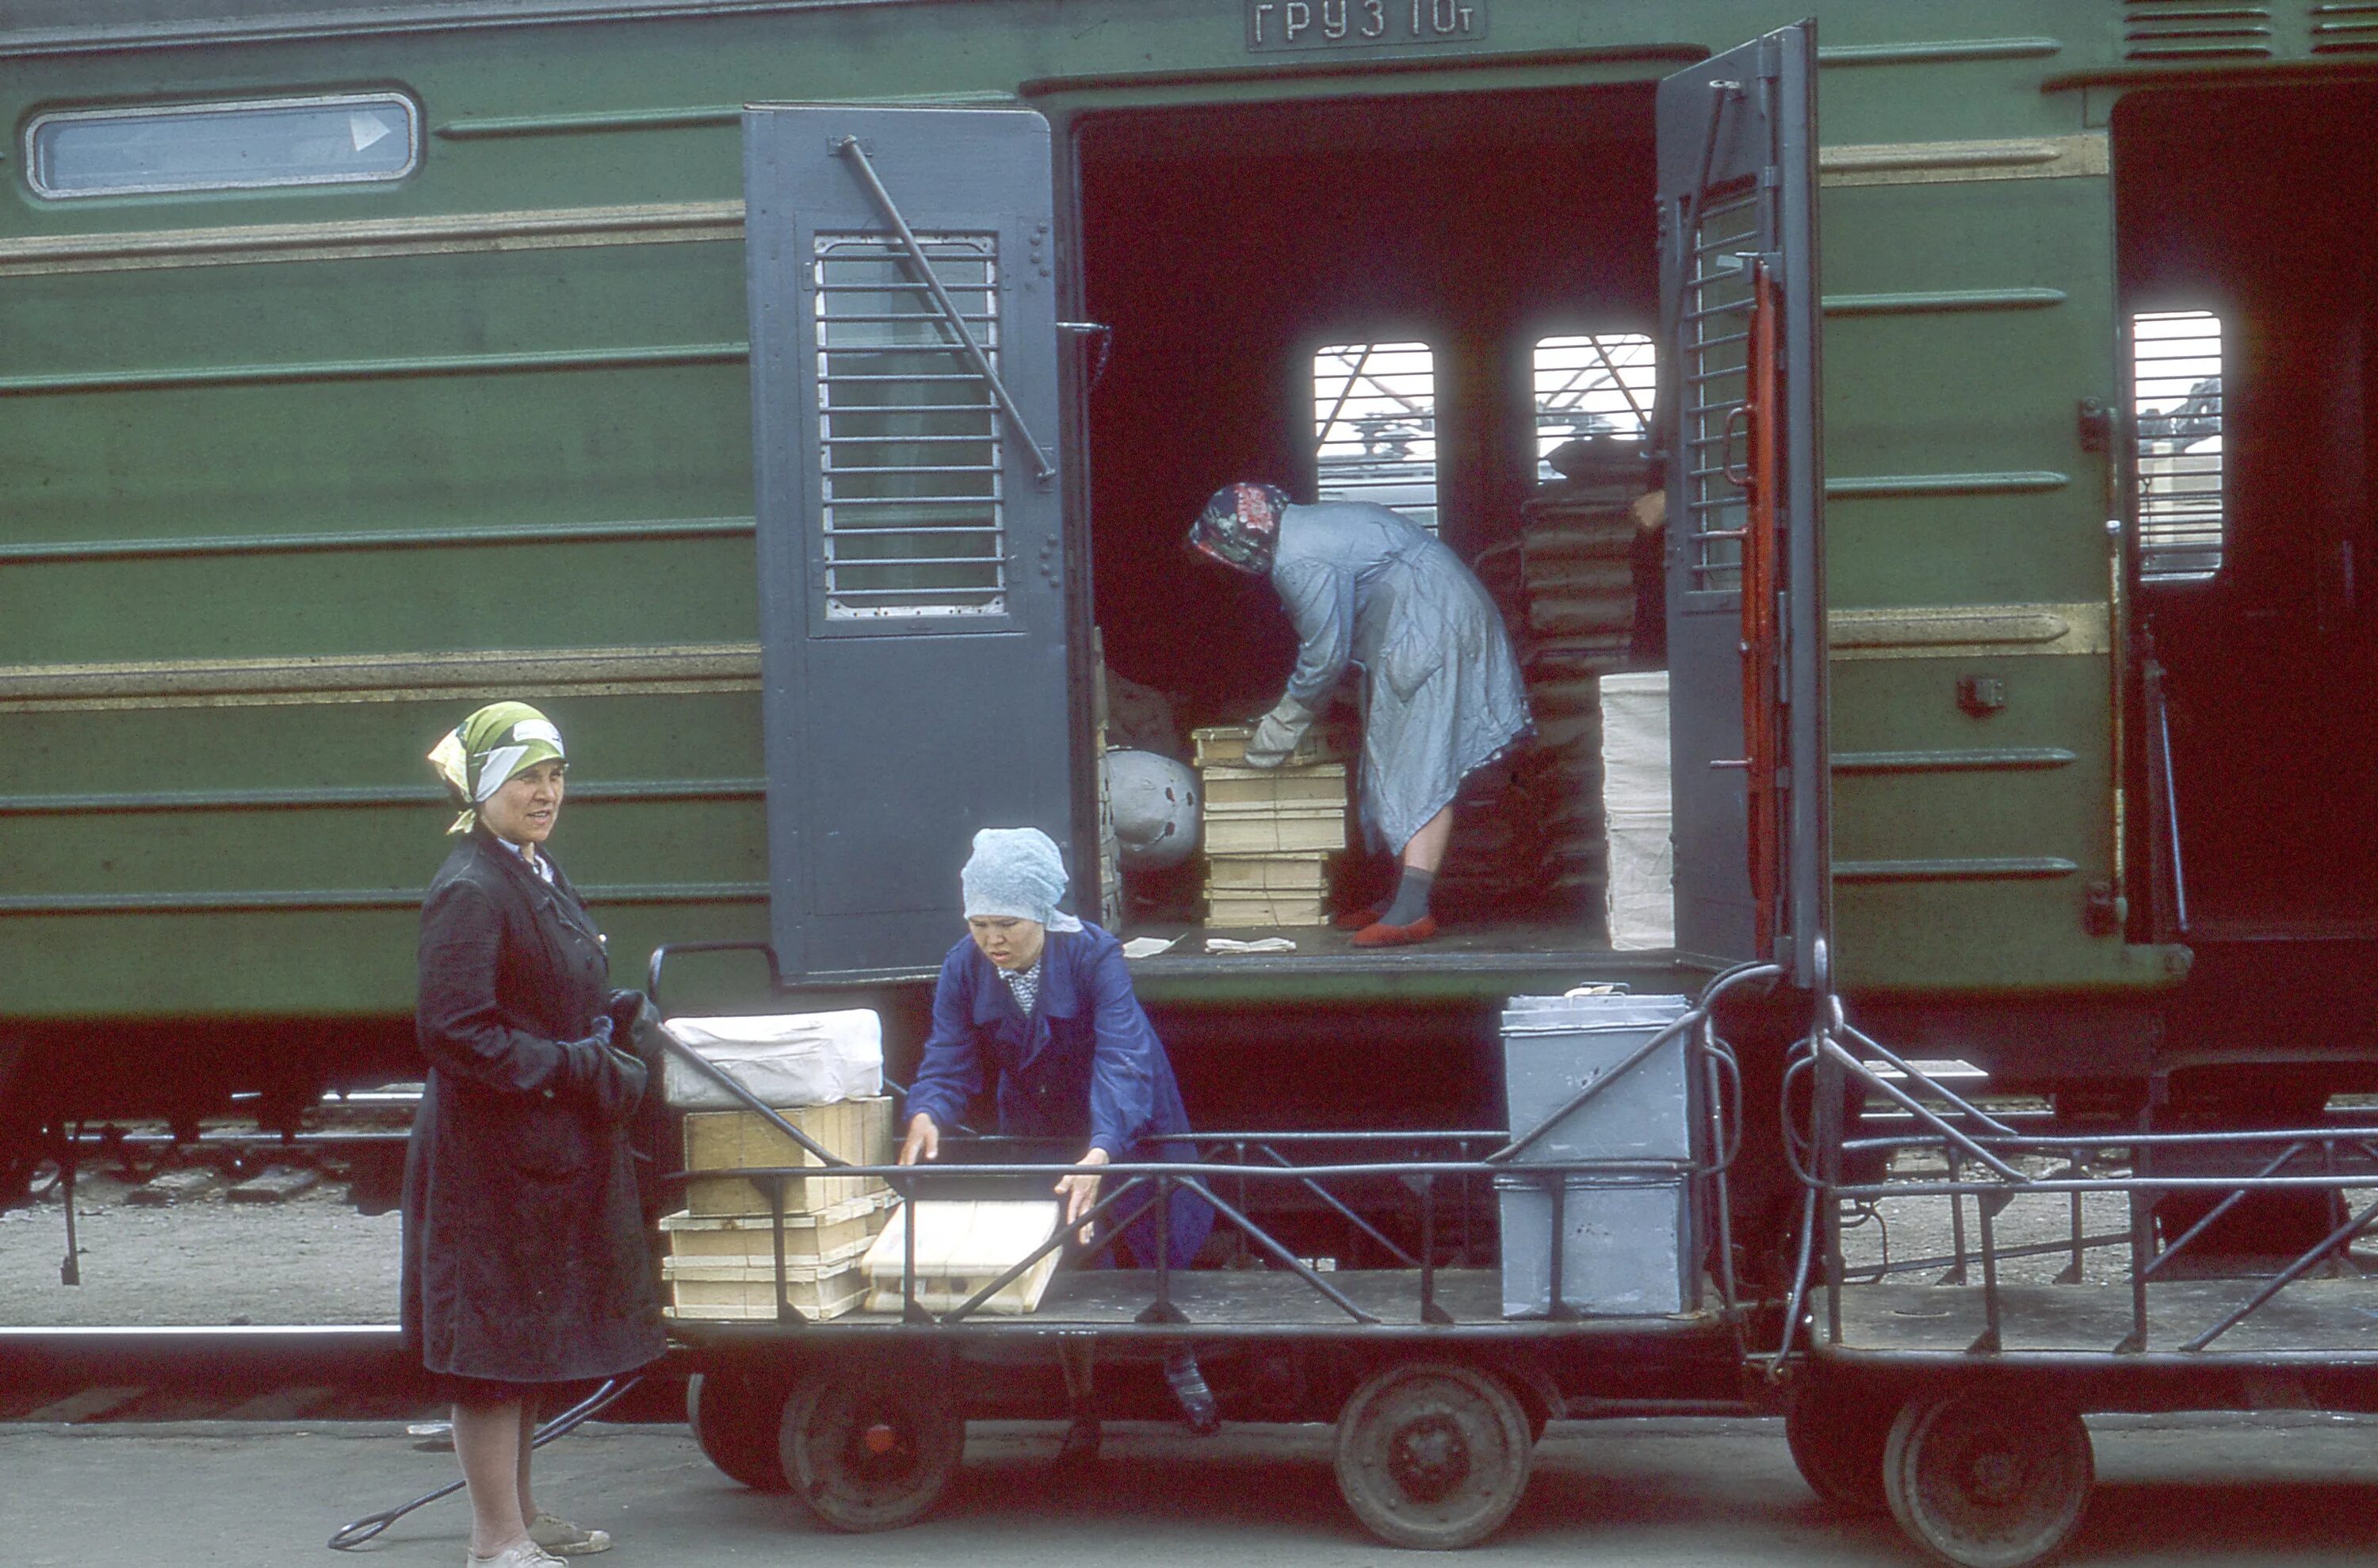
(1990, 1159)
(1418, 1170)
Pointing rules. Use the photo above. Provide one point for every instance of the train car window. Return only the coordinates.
(1375, 426)
(911, 512)
(1597, 385)
(345, 139)
(2176, 410)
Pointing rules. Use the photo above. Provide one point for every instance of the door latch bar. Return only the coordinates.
(848, 147)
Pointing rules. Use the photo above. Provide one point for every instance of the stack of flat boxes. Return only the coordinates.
(722, 1261)
(1269, 832)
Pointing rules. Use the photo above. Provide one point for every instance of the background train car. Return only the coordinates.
(361, 362)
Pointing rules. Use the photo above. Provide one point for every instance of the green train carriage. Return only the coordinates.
(306, 457)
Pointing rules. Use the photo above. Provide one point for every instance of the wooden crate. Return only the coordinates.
(1226, 744)
(746, 1287)
(1238, 875)
(856, 1131)
(807, 1236)
(961, 1246)
(1263, 911)
(1274, 830)
(1319, 784)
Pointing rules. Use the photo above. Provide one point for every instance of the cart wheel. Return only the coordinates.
(734, 1420)
(866, 1452)
(1986, 1480)
(1837, 1434)
(1433, 1457)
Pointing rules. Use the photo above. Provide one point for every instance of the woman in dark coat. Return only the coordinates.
(525, 1262)
(1040, 1005)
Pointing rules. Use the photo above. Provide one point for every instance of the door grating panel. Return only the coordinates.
(1716, 384)
(910, 504)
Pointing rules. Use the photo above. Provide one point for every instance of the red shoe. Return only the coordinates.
(1360, 917)
(1376, 935)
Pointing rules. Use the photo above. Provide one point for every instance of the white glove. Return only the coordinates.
(1276, 735)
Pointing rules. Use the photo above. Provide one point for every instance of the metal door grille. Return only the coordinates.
(2177, 414)
(1717, 303)
(910, 514)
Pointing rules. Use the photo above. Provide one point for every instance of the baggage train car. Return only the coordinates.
(363, 362)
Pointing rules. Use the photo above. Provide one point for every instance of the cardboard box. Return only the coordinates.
(1263, 911)
(719, 1287)
(1227, 744)
(856, 1131)
(1274, 830)
(1320, 784)
(1238, 875)
(807, 1236)
(961, 1246)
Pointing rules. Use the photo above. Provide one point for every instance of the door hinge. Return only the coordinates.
(2107, 911)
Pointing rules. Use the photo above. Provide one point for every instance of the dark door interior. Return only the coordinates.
(2247, 217)
(1223, 245)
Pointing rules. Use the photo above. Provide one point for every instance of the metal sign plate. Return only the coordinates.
(1351, 24)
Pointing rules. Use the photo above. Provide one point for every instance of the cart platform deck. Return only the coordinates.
(1243, 1301)
(2324, 1321)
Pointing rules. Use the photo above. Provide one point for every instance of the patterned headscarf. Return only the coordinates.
(480, 755)
(1016, 873)
(1240, 527)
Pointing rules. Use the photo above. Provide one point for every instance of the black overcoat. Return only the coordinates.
(524, 1256)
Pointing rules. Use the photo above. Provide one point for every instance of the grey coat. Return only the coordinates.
(524, 1257)
(1442, 692)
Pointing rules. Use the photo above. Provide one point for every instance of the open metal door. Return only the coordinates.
(1745, 545)
(912, 596)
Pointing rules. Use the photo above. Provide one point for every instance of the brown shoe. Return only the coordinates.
(1376, 936)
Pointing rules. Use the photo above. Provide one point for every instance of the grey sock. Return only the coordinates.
(1411, 897)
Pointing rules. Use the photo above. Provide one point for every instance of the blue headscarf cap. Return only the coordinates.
(1016, 873)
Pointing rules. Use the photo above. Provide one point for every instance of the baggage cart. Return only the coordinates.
(1950, 1388)
(1438, 1368)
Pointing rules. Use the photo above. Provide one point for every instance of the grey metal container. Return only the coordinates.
(1628, 1248)
(1629, 1242)
(1553, 1047)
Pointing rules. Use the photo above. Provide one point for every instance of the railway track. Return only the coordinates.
(265, 1373)
(353, 1138)
(344, 1158)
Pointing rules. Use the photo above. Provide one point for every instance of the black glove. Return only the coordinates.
(624, 1008)
(599, 1075)
(653, 1141)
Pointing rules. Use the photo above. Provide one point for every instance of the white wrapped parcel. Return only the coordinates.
(784, 1058)
(1637, 810)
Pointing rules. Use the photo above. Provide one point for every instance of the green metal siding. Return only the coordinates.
(424, 405)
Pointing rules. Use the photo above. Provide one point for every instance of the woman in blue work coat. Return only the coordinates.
(1041, 1003)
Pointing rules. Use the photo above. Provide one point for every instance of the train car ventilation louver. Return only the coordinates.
(2189, 29)
(2345, 27)
(912, 507)
(1717, 385)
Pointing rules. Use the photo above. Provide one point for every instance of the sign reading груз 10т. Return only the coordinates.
(1322, 24)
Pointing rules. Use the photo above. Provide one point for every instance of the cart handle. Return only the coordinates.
(661, 954)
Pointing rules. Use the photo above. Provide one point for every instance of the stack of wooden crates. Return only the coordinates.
(1269, 832)
(722, 1261)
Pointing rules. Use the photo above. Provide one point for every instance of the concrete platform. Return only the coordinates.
(2277, 1490)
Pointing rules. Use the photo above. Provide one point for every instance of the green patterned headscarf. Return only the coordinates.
(485, 750)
